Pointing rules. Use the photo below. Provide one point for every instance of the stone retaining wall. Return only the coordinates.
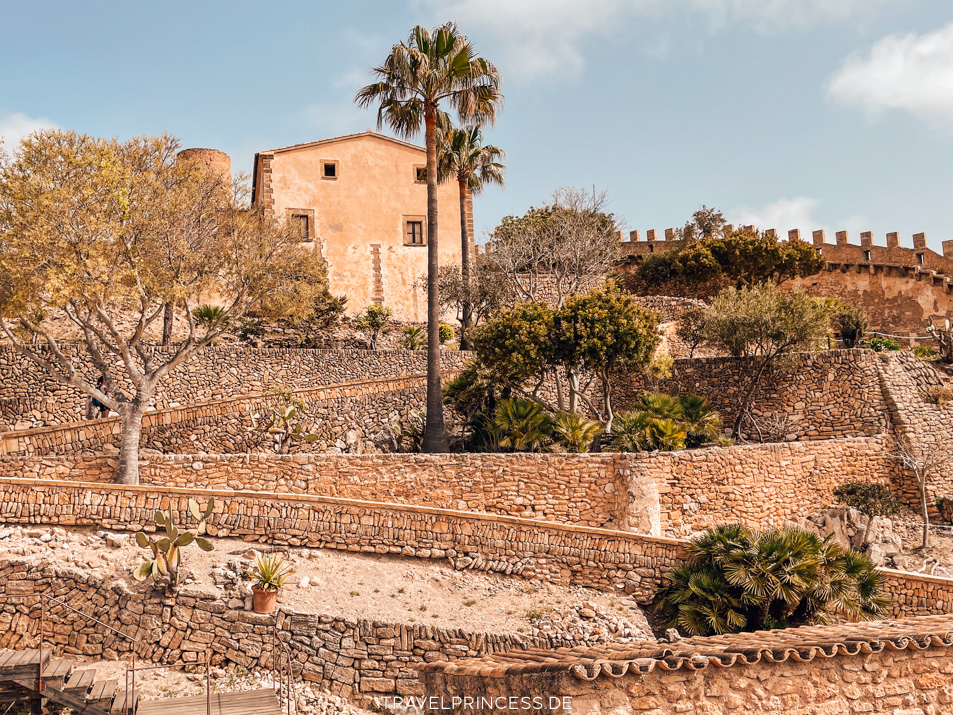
(827, 395)
(354, 658)
(350, 417)
(550, 552)
(555, 553)
(674, 493)
(28, 397)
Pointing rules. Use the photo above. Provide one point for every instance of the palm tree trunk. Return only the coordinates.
(466, 322)
(435, 433)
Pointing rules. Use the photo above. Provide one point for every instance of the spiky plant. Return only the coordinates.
(658, 404)
(640, 431)
(413, 338)
(522, 426)
(208, 316)
(575, 432)
(167, 550)
(740, 579)
(269, 572)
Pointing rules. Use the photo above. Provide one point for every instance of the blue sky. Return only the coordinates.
(786, 113)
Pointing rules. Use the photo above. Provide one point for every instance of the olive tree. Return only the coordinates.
(107, 234)
(765, 325)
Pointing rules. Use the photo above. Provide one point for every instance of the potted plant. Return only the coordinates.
(269, 574)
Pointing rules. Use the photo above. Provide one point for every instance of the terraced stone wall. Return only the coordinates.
(674, 494)
(354, 658)
(29, 398)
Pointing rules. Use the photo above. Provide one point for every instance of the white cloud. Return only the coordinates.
(908, 72)
(14, 126)
(540, 38)
(795, 212)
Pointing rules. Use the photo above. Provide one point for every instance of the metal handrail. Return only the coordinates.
(277, 675)
(208, 679)
(43, 600)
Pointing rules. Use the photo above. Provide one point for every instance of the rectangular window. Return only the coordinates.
(866, 255)
(420, 174)
(302, 226)
(415, 233)
(329, 170)
(920, 258)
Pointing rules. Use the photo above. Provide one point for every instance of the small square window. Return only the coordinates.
(302, 226)
(420, 174)
(414, 231)
(329, 170)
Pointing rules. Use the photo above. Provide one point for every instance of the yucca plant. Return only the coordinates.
(167, 550)
(740, 579)
(575, 432)
(702, 425)
(269, 572)
(413, 338)
(522, 426)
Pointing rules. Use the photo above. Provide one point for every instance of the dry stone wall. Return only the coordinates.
(28, 397)
(351, 417)
(554, 553)
(827, 395)
(674, 493)
(354, 658)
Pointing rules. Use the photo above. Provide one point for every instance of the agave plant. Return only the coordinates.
(522, 426)
(269, 572)
(575, 432)
(167, 550)
(701, 424)
(739, 579)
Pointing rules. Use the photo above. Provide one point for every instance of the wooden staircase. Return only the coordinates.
(61, 681)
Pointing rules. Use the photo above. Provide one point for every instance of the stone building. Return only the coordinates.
(361, 201)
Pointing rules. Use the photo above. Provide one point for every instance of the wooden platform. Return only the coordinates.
(250, 702)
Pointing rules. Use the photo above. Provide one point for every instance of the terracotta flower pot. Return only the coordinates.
(264, 601)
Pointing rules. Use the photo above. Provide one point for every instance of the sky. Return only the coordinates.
(810, 114)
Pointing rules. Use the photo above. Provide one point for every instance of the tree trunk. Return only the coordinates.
(130, 419)
(466, 322)
(746, 399)
(607, 413)
(167, 318)
(925, 508)
(435, 433)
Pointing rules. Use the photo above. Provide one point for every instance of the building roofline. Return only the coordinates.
(346, 137)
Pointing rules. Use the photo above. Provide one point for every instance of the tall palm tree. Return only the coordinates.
(475, 165)
(432, 67)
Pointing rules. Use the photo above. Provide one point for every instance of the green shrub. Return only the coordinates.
(373, 321)
(665, 423)
(522, 426)
(250, 330)
(639, 431)
(702, 425)
(446, 333)
(413, 338)
(853, 324)
(925, 352)
(882, 344)
(738, 579)
(208, 316)
(575, 432)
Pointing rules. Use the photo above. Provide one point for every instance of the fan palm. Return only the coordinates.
(703, 425)
(432, 68)
(575, 432)
(738, 579)
(660, 405)
(641, 431)
(475, 165)
(522, 426)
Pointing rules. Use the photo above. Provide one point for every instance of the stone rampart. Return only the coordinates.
(28, 397)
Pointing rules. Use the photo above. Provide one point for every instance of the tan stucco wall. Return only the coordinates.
(365, 206)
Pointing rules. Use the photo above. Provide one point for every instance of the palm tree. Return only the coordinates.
(432, 67)
(464, 157)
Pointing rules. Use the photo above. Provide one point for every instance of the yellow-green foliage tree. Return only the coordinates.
(106, 234)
